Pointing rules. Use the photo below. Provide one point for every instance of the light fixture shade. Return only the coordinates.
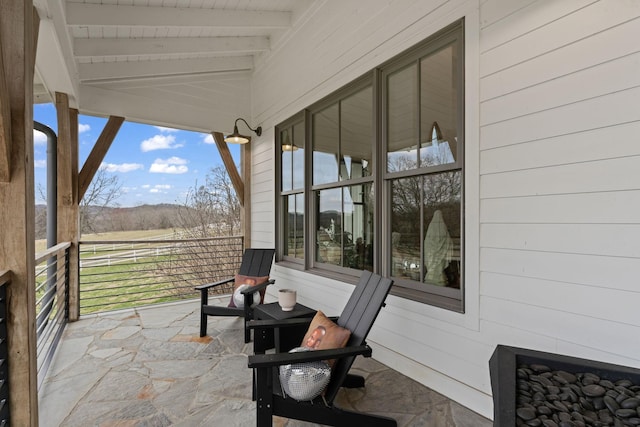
(236, 138)
(287, 145)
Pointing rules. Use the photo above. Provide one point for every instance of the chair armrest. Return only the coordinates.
(211, 285)
(257, 288)
(278, 359)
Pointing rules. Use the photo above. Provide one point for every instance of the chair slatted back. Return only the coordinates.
(358, 316)
(256, 262)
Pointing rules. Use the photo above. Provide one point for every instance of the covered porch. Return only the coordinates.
(547, 118)
(148, 366)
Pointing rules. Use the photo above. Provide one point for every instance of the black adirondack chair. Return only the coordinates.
(358, 316)
(255, 263)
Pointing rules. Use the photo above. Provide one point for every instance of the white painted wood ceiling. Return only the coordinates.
(194, 50)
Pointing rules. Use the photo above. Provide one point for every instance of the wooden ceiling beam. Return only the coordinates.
(85, 14)
(97, 154)
(169, 46)
(230, 165)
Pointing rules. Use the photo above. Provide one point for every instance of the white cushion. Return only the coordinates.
(238, 298)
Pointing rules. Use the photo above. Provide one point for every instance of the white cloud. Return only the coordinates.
(145, 186)
(83, 128)
(208, 139)
(173, 165)
(166, 130)
(159, 142)
(39, 138)
(40, 164)
(160, 188)
(123, 167)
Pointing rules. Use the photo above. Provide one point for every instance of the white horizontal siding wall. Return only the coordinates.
(552, 177)
(560, 177)
(262, 190)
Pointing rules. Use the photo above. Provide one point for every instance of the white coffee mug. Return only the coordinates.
(287, 299)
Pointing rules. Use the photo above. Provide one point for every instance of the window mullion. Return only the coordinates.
(309, 201)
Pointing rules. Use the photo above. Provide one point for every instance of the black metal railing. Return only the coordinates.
(122, 274)
(52, 302)
(5, 279)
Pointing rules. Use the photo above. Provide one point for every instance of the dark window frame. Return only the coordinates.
(380, 179)
(281, 228)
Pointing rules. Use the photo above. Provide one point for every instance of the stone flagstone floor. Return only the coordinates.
(149, 368)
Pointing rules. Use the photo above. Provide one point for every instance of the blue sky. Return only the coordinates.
(153, 164)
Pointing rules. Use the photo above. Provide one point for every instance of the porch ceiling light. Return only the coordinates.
(236, 138)
(287, 145)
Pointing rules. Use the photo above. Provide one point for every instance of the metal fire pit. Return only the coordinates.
(504, 364)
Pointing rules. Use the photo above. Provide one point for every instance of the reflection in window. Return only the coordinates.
(402, 125)
(294, 226)
(429, 251)
(437, 151)
(292, 157)
(287, 164)
(297, 151)
(344, 235)
(326, 135)
(405, 228)
(439, 107)
(356, 134)
(292, 149)
(442, 219)
(329, 227)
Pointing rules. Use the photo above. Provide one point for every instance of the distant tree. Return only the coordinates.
(102, 193)
(210, 212)
(41, 214)
(212, 209)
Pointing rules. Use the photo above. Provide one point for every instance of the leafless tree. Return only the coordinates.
(41, 214)
(212, 209)
(103, 191)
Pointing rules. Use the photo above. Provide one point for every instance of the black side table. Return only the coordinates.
(292, 336)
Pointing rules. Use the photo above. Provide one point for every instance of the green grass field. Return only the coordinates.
(117, 276)
(41, 244)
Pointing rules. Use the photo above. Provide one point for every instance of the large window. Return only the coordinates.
(382, 177)
(342, 141)
(291, 139)
(424, 163)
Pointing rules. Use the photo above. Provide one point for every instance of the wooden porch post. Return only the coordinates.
(240, 183)
(245, 168)
(68, 203)
(18, 32)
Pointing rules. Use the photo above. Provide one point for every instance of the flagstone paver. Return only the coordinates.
(148, 367)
